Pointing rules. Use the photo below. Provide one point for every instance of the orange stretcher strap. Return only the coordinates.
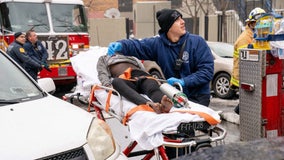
(206, 116)
(126, 75)
(142, 107)
(92, 98)
(108, 100)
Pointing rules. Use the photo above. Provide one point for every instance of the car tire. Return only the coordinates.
(221, 86)
(156, 74)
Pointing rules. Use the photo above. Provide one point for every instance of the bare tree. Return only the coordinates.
(192, 8)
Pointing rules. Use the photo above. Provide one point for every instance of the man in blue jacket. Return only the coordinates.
(183, 57)
(36, 51)
(18, 53)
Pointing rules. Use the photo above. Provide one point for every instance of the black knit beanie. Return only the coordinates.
(17, 34)
(166, 18)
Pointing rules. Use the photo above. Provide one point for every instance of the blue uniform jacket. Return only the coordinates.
(198, 67)
(39, 55)
(18, 53)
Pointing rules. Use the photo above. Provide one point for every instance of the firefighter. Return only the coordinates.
(18, 53)
(245, 40)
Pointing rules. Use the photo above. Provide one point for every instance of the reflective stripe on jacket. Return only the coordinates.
(243, 40)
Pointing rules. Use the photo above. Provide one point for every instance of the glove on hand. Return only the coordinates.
(174, 80)
(46, 66)
(114, 47)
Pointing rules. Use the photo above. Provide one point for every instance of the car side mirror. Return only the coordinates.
(47, 84)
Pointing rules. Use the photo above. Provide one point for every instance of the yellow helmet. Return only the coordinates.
(255, 14)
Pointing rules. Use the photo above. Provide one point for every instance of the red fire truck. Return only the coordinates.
(61, 26)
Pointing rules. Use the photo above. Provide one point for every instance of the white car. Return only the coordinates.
(37, 125)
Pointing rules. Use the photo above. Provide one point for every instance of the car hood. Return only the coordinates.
(40, 128)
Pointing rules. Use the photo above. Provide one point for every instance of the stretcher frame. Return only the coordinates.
(215, 134)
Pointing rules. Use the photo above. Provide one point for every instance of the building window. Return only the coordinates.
(176, 3)
(125, 5)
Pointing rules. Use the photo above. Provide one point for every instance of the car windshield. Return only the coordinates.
(65, 18)
(15, 86)
(68, 18)
(224, 50)
(18, 17)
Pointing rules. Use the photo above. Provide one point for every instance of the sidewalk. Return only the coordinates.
(230, 120)
(227, 109)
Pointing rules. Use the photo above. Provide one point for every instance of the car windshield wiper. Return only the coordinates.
(68, 28)
(3, 101)
(39, 25)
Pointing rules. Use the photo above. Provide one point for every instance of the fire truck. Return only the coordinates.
(61, 26)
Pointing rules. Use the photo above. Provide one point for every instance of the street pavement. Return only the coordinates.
(227, 107)
(230, 120)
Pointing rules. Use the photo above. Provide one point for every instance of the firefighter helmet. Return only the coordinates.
(255, 14)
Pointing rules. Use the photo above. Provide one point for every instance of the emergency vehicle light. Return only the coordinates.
(77, 46)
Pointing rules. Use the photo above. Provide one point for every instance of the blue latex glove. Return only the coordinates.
(174, 80)
(114, 47)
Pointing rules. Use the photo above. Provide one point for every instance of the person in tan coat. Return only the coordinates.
(244, 41)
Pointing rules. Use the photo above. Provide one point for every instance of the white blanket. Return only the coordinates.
(145, 127)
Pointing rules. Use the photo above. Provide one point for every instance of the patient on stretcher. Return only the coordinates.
(127, 75)
(146, 127)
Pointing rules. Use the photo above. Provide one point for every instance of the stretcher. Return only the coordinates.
(153, 131)
(187, 128)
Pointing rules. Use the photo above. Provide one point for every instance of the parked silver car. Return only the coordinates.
(37, 125)
(223, 66)
(154, 69)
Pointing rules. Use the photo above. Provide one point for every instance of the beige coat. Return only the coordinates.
(243, 40)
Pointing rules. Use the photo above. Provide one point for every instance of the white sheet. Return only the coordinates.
(85, 66)
(145, 127)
